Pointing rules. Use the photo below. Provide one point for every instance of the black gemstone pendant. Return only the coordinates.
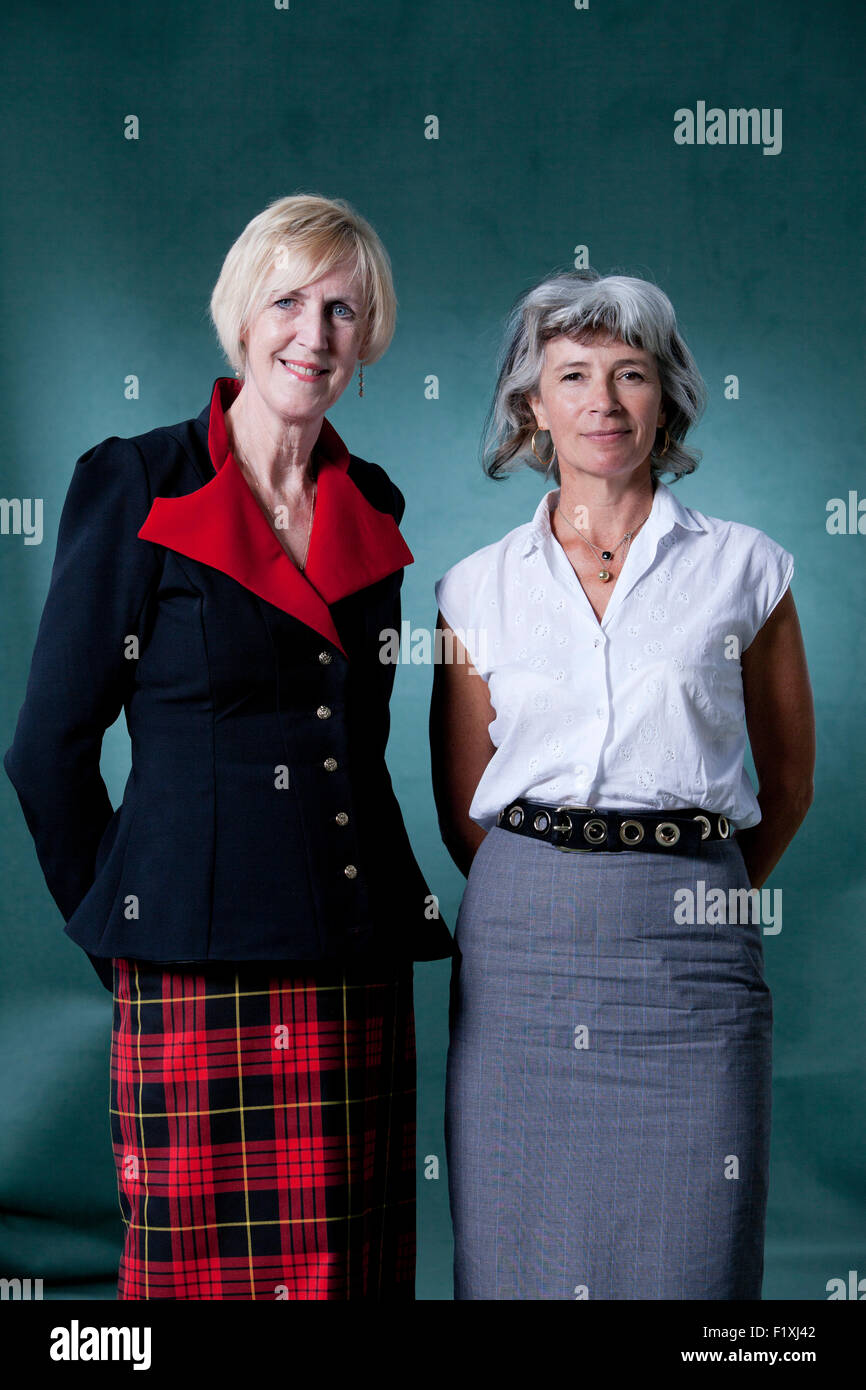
(607, 554)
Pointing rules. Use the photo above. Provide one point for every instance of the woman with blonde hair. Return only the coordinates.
(254, 902)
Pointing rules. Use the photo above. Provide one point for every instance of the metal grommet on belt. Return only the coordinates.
(614, 829)
(631, 832)
(667, 833)
(595, 831)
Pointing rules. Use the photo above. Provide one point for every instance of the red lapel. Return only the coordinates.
(221, 524)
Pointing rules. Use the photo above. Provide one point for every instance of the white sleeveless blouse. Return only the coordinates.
(642, 711)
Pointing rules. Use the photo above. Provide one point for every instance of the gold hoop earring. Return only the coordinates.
(545, 463)
(661, 453)
(360, 378)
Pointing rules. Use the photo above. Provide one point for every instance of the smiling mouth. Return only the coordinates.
(301, 370)
(606, 434)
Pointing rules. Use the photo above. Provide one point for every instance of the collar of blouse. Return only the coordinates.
(666, 513)
(352, 544)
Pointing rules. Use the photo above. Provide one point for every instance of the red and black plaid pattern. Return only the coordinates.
(263, 1121)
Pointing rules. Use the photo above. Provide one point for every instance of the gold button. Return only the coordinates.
(350, 871)
(325, 658)
(323, 712)
(341, 818)
(330, 764)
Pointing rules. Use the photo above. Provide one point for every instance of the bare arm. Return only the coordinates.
(460, 745)
(781, 725)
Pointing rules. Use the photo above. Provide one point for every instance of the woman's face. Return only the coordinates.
(602, 403)
(303, 345)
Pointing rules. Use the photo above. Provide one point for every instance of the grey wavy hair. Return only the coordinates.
(583, 305)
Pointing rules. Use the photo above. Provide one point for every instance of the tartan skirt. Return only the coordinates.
(263, 1126)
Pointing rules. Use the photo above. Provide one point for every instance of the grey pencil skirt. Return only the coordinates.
(609, 1077)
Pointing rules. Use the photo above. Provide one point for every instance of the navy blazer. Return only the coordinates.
(258, 821)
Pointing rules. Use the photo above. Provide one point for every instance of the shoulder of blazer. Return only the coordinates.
(175, 458)
(378, 488)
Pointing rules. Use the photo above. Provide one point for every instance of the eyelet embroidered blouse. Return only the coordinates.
(642, 711)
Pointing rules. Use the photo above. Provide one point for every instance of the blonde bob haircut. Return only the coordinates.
(294, 241)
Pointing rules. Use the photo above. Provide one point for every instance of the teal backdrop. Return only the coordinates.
(556, 130)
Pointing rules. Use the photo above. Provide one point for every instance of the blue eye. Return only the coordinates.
(289, 299)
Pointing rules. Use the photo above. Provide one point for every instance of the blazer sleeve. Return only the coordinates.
(399, 503)
(82, 669)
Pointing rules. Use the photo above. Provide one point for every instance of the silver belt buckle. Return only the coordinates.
(570, 849)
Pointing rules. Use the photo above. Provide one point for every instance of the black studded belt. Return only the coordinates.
(581, 828)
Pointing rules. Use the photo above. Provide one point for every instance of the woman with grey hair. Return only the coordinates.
(609, 1072)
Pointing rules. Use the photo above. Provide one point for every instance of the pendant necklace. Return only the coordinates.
(604, 555)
